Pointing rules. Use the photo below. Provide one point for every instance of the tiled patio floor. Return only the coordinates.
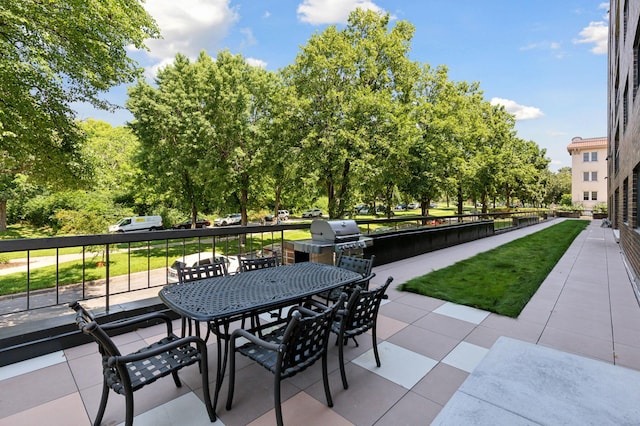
(428, 348)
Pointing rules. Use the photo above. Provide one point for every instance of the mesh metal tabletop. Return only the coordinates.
(224, 297)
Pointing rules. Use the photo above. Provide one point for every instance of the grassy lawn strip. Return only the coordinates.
(504, 279)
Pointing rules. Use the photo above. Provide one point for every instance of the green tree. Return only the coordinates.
(464, 131)
(200, 131)
(111, 151)
(559, 184)
(524, 178)
(236, 110)
(55, 53)
(289, 182)
(425, 161)
(347, 82)
(489, 163)
(174, 133)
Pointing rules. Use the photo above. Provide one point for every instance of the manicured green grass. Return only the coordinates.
(504, 279)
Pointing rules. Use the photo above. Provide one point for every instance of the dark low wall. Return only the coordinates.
(402, 244)
(519, 221)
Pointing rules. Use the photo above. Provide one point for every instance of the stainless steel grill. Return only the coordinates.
(329, 236)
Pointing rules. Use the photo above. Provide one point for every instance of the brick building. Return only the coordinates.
(624, 126)
(588, 171)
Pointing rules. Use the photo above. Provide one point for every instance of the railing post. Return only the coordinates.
(107, 289)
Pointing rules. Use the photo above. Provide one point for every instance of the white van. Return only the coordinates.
(137, 223)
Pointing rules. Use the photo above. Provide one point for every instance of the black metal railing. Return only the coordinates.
(59, 270)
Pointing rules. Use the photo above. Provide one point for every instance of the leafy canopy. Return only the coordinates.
(55, 53)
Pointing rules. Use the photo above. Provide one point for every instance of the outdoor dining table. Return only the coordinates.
(220, 300)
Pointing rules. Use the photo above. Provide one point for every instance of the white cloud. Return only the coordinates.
(318, 12)
(521, 112)
(256, 62)
(596, 33)
(188, 27)
(553, 46)
(249, 39)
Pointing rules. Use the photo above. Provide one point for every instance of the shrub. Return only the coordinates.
(566, 200)
(600, 208)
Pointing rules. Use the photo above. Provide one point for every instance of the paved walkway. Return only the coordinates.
(428, 347)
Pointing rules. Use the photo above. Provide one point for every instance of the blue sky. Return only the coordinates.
(545, 60)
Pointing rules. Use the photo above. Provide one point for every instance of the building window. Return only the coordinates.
(594, 176)
(636, 196)
(585, 157)
(594, 196)
(636, 63)
(625, 108)
(594, 156)
(625, 20)
(585, 195)
(625, 201)
(585, 176)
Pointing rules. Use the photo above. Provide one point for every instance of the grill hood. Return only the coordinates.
(334, 231)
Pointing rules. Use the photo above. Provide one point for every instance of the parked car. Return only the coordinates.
(283, 214)
(200, 223)
(137, 223)
(230, 219)
(400, 207)
(362, 209)
(312, 213)
(202, 258)
(412, 206)
(380, 209)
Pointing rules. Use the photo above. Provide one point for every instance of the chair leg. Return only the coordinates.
(277, 399)
(222, 365)
(325, 379)
(205, 383)
(183, 328)
(103, 404)
(343, 374)
(219, 368)
(232, 373)
(176, 379)
(375, 345)
(129, 408)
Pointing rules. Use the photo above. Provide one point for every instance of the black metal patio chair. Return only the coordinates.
(125, 374)
(355, 264)
(359, 316)
(188, 274)
(289, 349)
(253, 263)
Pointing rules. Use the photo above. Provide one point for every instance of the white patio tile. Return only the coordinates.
(461, 312)
(400, 365)
(465, 356)
(186, 410)
(32, 364)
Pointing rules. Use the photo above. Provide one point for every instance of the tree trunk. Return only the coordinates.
(331, 196)
(3, 215)
(278, 191)
(342, 208)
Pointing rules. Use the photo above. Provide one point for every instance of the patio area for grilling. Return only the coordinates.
(428, 347)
